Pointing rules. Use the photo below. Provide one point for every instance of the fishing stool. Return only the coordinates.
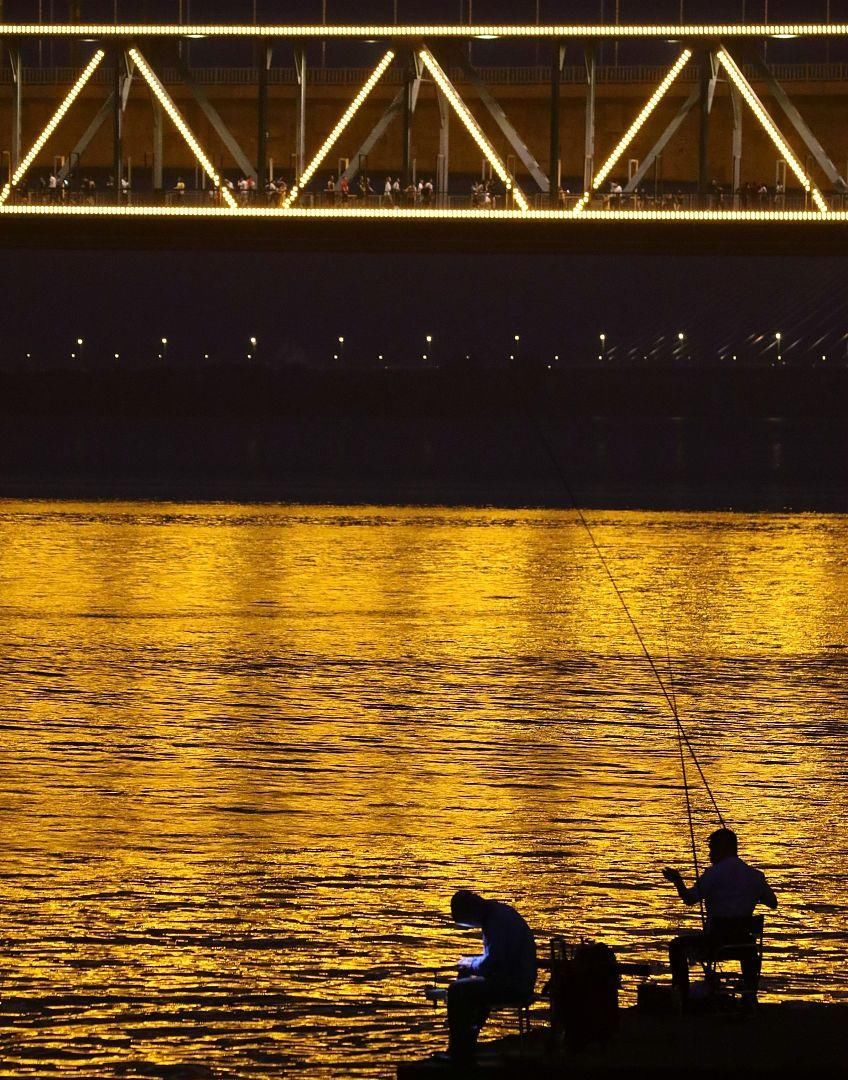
(438, 995)
(521, 1011)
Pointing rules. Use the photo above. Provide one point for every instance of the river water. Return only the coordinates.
(249, 752)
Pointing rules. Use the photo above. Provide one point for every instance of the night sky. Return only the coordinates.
(297, 305)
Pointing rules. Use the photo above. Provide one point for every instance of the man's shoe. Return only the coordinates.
(451, 1057)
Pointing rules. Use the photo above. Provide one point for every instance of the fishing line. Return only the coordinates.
(682, 761)
(558, 469)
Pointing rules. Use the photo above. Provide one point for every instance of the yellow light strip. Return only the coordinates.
(170, 108)
(635, 127)
(52, 124)
(408, 214)
(450, 30)
(745, 89)
(334, 135)
(474, 130)
(640, 120)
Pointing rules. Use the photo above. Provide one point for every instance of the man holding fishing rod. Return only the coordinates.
(729, 889)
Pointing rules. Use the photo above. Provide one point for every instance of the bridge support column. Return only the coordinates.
(118, 123)
(408, 111)
(262, 118)
(443, 170)
(300, 133)
(157, 146)
(591, 55)
(17, 104)
(736, 103)
(555, 168)
(707, 84)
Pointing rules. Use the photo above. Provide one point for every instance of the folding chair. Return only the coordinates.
(734, 940)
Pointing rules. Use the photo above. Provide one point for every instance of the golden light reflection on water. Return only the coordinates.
(249, 752)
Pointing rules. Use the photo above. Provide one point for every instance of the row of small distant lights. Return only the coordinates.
(253, 343)
(163, 355)
(516, 342)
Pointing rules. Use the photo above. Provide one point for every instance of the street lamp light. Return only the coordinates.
(778, 338)
(164, 354)
(603, 340)
(340, 355)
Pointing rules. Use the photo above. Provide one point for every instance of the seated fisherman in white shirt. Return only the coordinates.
(730, 890)
(504, 973)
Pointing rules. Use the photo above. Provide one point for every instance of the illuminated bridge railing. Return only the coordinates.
(354, 205)
(500, 76)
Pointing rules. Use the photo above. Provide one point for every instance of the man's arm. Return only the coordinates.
(767, 896)
(688, 896)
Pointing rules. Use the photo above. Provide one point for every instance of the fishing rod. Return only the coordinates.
(683, 737)
(689, 816)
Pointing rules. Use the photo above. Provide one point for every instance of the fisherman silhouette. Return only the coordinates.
(730, 890)
(504, 974)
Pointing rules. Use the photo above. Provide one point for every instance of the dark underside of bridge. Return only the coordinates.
(343, 234)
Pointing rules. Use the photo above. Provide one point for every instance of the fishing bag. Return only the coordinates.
(583, 992)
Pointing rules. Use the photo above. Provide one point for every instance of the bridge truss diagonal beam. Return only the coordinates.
(771, 129)
(171, 109)
(635, 127)
(823, 160)
(664, 139)
(474, 130)
(393, 111)
(85, 139)
(105, 110)
(52, 124)
(218, 126)
(335, 134)
(497, 113)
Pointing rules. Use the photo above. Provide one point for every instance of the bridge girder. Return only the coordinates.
(423, 43)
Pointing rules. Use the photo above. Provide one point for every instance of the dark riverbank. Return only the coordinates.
(779, 1040)
(746, 438)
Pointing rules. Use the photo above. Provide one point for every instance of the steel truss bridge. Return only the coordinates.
(809, 213)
